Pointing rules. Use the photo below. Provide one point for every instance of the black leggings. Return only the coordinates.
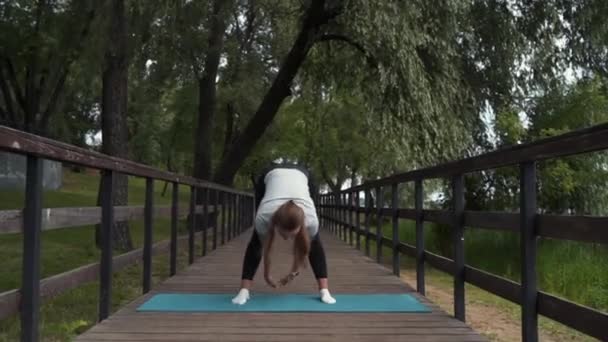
(253, 256)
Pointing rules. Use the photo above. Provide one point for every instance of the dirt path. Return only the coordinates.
(489, 320)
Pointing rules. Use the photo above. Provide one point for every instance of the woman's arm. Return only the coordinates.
(267, 249)
(301, 250)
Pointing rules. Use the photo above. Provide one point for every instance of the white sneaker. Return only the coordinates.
(241, 298)
(326, 297)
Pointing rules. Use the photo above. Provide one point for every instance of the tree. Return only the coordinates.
(114, 112)
(40, 42)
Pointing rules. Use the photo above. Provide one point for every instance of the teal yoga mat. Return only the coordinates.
(173, 302)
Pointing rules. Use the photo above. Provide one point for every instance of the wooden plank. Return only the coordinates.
(576, 142)
(367, 219)
(11, 221)
(439, 262)
(350, 272)
(407, 213)
(458, 245)
(192, 224)
(379, 235)
(395, 230)
(60, 283)
(357, 227)
(9, 303)
(528, 247)
(419, 204)
(106, 231)
(578, 228)
(584, 319)
(494, 284)
(492, 220)
(438, 216)
(407, 249)
(281, 337)
(32, 228)
(174, 217)
(20, 142)
(148, 231)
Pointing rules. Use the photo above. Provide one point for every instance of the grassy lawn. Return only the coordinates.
(575, 271)
(65, 249)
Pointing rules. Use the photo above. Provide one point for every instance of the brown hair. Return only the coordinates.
(289, 217)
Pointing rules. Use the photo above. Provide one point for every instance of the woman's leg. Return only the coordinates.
(318, 263)
(253, 256)
(316, 257)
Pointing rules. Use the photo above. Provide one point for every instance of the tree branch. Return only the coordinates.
(8, 98)
(3, 115)
(65, 68)
(339, 37)
(12, 77)
(327, 178)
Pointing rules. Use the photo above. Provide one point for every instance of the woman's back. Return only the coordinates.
(286, 183)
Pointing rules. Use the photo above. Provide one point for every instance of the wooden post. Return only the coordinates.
(367, 213)
(148, 211)
(240, 211)
(350, 218)
(334, 215)
(229, 216)
(379, 234)
(216, 213)
(174, 214)
(223, 201)
(395, 207)
(30, 276)
(358, 220)
(192, 225)
(232, 216)
(105, 263)
(235, 212)
(205, 229)
(341, 217)
(332, 221)
(419, 238)
(458, 243)
(237, 228)
(528, 245)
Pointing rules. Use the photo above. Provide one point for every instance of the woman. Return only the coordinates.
(283, 195)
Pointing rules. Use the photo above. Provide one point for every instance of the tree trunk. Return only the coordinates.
(315, 17)
(207, 92)
(229, 132)
(114, 113)
(353, 178)
(207, 103)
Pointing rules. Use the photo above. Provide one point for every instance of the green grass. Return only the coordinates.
(65, 249)
(571, 270)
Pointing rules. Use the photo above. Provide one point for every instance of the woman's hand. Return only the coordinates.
(270, 281)
(288, 278)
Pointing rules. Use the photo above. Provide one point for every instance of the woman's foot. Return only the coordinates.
(241, 298)
(326, 297)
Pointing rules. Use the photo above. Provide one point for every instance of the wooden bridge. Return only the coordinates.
(348, 248)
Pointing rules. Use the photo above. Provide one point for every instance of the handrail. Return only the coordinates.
(236, 215)
(576, 142)
(337, 211)
(19, 142)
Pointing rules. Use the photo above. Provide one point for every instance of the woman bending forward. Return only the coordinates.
(283, 196)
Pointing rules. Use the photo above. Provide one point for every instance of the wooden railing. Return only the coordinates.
(339, 215)
(235, 207)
